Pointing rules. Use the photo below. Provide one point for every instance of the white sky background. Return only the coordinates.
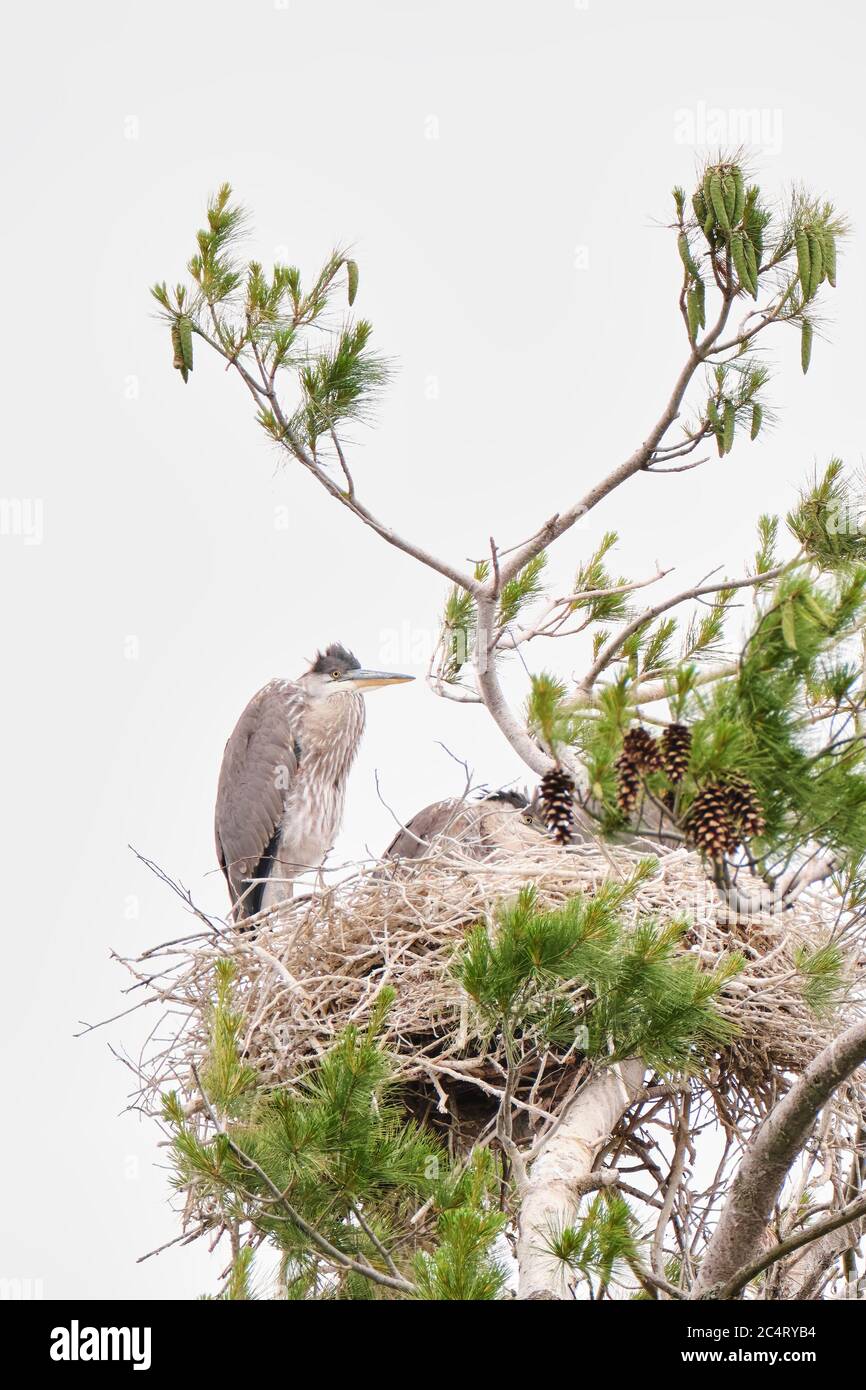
(502, 169)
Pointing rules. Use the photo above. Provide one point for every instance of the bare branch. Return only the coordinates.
(493, 694)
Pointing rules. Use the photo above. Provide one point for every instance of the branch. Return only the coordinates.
(448, 690)
(321, 1242)
(559, 1175)
(563, 521)
(853, 1212)
(612, 648)
(265, 390)
(546, 625)
(786, 892)
(675, 1177)
(493, 695)
(743, 1221)
(652, 691)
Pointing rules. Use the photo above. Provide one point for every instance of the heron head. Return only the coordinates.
(337, 671)
(529, 809)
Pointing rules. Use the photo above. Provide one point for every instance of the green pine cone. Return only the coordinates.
(752, 264)
(693, 312)
(686, 256)
(700, 292)
(738, 255)
(804, 263)
(717, 199)
(185, 331)
(830, 259)
(816, 263)
(739, 195)
(806, 346)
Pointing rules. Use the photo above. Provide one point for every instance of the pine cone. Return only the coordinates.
(676, 746)
(641, 749)
(628, 784)
(744, 809)
(708, 824)
(556, 804)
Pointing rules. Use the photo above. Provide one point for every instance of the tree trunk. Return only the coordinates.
(561, 1174)
(737, 1238)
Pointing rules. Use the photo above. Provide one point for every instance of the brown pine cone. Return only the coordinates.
(556, 804)
(676, 743)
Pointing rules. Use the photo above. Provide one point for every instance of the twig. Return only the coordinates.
(321, 1242)
(612, 648)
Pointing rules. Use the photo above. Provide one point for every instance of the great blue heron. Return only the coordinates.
(282, 783)
(500, 820)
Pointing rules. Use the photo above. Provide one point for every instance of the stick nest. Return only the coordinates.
(314, 965)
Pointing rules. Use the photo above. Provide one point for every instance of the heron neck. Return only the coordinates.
(331, 733)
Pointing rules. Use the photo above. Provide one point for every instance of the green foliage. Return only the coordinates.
(339, 1147)
(267, 323)
(822, 969)
(458, 626)
(768, 531)
(788, 718)
(602, 1244)
(213, 267)
(547, 714)
(592, 576)
(597, 739)
(673, 1271)
(550, 977)
(338, 384)
(656, 654)
(463, 1265)
(225, 1077)
(522, 589)
(737, 243)
(735, 401)
(827, 521)
(758, 722)
(659, 1003)
(239, 1288)
(706, 629)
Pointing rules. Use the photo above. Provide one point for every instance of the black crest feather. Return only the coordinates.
(335, 657)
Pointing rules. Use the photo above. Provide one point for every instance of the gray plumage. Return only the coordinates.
(282, 784)
(502, 820)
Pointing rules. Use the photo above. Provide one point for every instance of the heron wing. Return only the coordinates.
(258, 766)
(413, 839)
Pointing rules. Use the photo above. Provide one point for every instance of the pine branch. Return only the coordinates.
(336, 1256)
(614, 647)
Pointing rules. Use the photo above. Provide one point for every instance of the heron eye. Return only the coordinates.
(527, 820)
(335, 675)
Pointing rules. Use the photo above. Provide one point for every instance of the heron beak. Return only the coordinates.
(370, 680)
